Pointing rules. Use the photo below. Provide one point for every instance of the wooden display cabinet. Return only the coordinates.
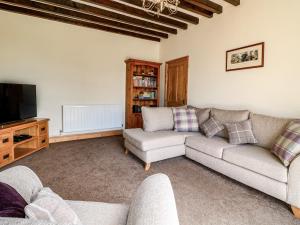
(142, 89)
(10, 150)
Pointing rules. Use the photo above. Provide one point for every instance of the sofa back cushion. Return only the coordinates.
(157, 118)
(153, 203)
(267, 129)
(229, 116)
(201, 113)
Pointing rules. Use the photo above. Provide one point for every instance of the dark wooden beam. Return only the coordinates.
(178, 15)
(208, 5)
(40, 6)
(233, 2)
(137, 12)
(30, 12)
(195, 9)
(83, 8)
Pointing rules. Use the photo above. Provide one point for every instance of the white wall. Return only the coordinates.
(272, 90)
(69, 64)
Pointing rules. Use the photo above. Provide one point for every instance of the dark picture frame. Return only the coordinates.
(247, 57)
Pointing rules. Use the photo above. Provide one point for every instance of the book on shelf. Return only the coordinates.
(139, 81)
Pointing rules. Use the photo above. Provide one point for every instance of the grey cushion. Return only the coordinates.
(258, 160)
(211, 127)
(157, 118)
(210, 146)
(267, 129)
(47, 205)
(153, 203)
(98, 213)
(229, 116)
(240, 133)
(202, 114)
(23, 179)
(153, 140)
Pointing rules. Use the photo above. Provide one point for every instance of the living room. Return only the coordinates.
(83, 65)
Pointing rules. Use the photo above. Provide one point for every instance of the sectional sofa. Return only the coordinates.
(253, 165)
(154, 195)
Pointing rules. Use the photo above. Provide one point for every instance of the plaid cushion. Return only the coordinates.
(185, 120)
(211, 127)
(240, 133)
(287, 146)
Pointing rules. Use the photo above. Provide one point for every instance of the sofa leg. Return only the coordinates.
(296, 212)
(126, 151)
(147, 166)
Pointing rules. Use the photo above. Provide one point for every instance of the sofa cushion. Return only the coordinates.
(153, 140)
(229, 116)
(157, 118)
(98, 213)
(211, 127)
(12, 204)
(210, 146)
(240, 133)
(287, 147)
(49, 206)
(202, 114)
(258, 160)
(267, 129)
(185, 120)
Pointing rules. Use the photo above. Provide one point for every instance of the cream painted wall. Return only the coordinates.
(272, 90)
(69, 64)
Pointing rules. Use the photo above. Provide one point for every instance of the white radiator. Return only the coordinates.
(91, 118)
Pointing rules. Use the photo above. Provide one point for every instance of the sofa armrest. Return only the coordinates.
(293, 192)
(153, 203)
(23, 179)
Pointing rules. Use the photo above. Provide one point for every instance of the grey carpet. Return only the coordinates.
(98, 170)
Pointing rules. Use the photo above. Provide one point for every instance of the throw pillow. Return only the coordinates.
(157, 118)
(49, 206)
(211, 127)
(185, 120)
(12, 204)
(287, 146)
(201, 113)
(240, 133)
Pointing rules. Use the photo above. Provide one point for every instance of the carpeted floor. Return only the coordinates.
(98, 170)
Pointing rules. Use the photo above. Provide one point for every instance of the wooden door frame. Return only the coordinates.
(184, 58)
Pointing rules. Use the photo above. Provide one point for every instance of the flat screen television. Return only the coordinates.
(17, 102)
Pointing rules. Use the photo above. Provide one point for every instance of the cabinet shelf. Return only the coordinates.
(141, 87)
(138, 99)
(24, 141)
(141, 75)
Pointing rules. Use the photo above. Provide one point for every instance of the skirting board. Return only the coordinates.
(74, 137)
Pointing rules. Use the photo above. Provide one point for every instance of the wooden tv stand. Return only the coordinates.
(11, 151)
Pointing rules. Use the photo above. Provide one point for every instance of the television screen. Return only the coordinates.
(17, 102)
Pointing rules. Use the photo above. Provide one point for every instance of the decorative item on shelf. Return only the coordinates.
(136, 109)
(156, 7)
(247, 57)
(139, 81)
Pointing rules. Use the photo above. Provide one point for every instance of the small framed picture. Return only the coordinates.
(247, 57)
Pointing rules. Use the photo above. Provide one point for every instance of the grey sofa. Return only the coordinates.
(153, 203)
(253, 165)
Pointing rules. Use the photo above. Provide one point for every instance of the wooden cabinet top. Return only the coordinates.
(17, 125)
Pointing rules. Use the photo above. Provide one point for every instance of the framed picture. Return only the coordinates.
(247, 57)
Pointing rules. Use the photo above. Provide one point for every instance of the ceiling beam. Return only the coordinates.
(208, 5)
(178, 15)
(137, 12)
(233, 2)
(44, 15)
(195, 9)
(83, 8)
(40, 6)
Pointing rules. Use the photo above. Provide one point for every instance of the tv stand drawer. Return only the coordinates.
(43, 128)
(43, 141)
(6, 140)
(6, 156)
